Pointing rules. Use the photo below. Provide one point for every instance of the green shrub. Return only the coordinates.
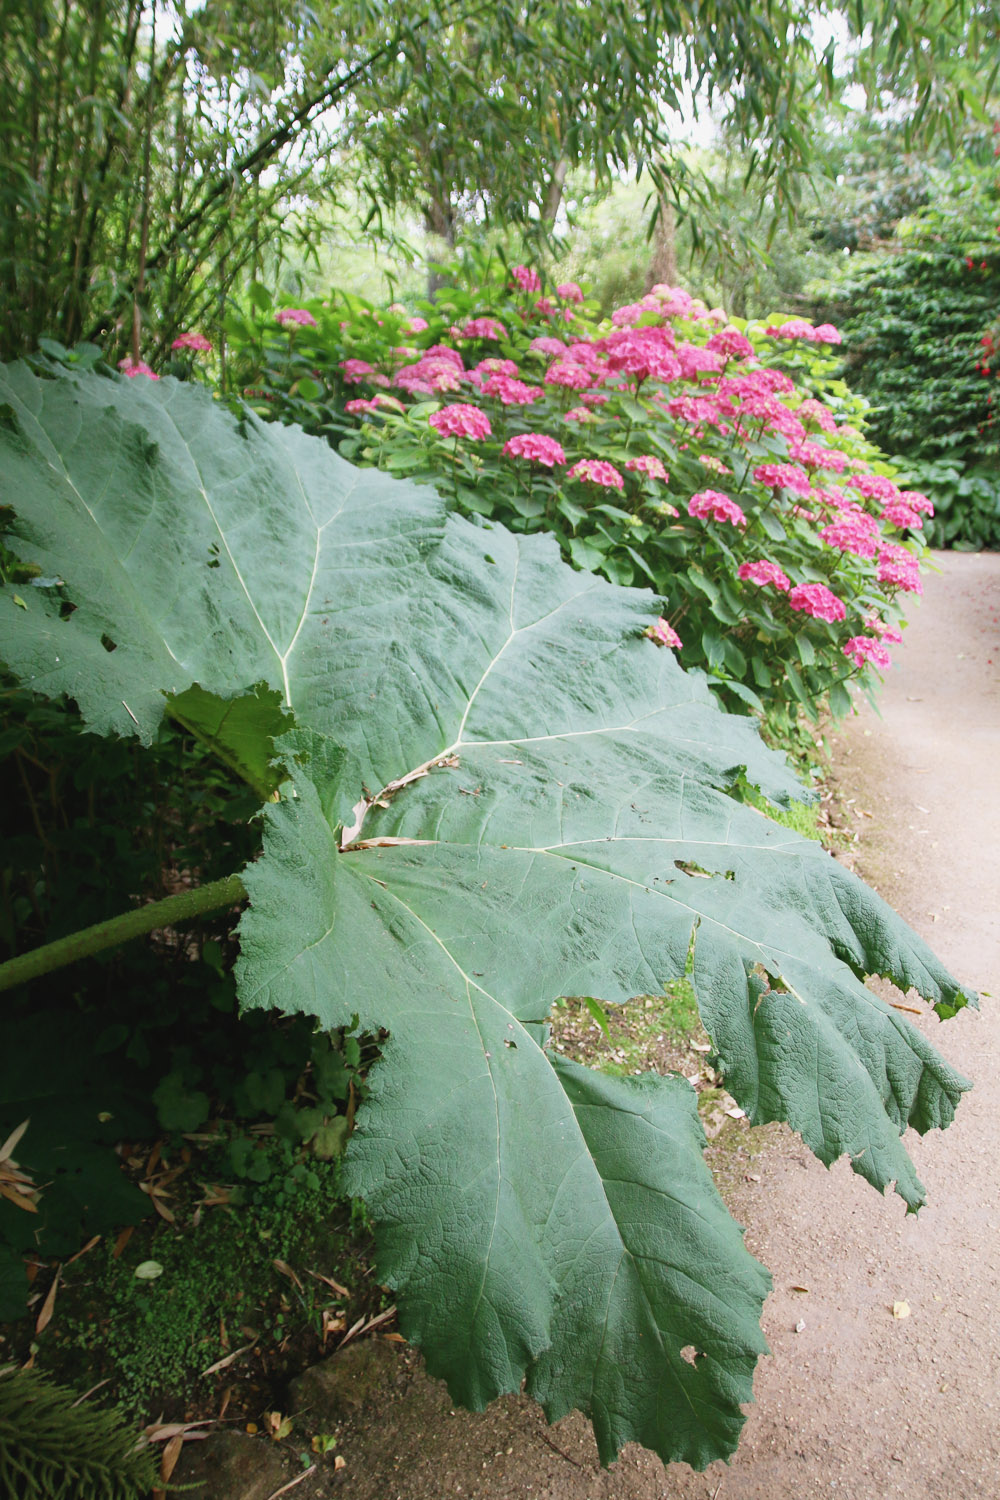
(919, 331)
(673, 409)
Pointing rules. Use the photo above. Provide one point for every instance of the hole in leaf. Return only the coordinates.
(691, 1354)
(108, 643)
(508, 1043)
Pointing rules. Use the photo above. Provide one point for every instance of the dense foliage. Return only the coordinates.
(920, 334)
(152, 152)
(664, 447)
(496, 791)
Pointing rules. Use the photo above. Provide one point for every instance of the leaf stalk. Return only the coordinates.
(215, 896)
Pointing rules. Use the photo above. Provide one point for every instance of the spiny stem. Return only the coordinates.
(216, 896)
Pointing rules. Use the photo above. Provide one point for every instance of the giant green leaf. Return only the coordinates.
(497, 792)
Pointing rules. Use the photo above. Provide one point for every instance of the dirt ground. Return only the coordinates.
(858, 1403)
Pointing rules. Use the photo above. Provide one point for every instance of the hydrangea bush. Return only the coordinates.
(716, 460)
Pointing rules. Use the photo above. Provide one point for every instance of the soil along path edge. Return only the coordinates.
(857, 1401)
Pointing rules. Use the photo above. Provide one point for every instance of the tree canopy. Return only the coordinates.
(153, 154)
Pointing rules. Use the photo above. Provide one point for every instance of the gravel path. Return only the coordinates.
(858, 1403)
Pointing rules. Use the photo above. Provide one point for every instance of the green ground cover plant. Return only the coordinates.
(721, 463)
(483, 783)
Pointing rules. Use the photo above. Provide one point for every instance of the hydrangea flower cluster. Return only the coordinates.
(866, 650)
(483, 328)
(536, 448)
(197, 342)
(295, 316)
(784, 477)
(639, 411)
(461, 421)
(663, 634)
(596, 471)
(715, 506)
(132, 367)
(799, 328)
(764, 574)
(817, 600)
(649, 465)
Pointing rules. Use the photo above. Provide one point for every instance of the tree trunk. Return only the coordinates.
(662, 270)
(439, 220)
(554, 192)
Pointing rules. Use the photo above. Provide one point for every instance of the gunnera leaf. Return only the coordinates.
(498, 792)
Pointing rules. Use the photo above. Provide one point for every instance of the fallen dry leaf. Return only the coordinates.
(45, 1316)
(286, 1270)
(122, 1240)
(88, 1246)
(223, 1364)
(171, 1453)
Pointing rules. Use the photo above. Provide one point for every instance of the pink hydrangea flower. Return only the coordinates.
(898, 568)
(795, 328)
(297, 315)
(644, 353)
(816, 456)
(594, 398)
(671, 301)
(131, 368)
(916, 501)
(712, 504)
(536, 448)
(825, 333)
(773, 415)
(649, 465)
(483, 328)
(357, 407)
(874, 486)
(429, 375)
(196, 341)
(416, 325)
(784, 476)
(545, 344)
(596, 471)
(815, 412)
(898, 513)
(494, 366)
(663, 634)
(511, 392)
(360, 372)
(569, 291)
(853, 531)
(710, 461)
(886, 632)
(444, 351)
(730, 343)
(694, 360)
(764, 573)
(817, 600)
(865, 650)
(578, 414)
(461, 421)
(527, 279)
(573, 377)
